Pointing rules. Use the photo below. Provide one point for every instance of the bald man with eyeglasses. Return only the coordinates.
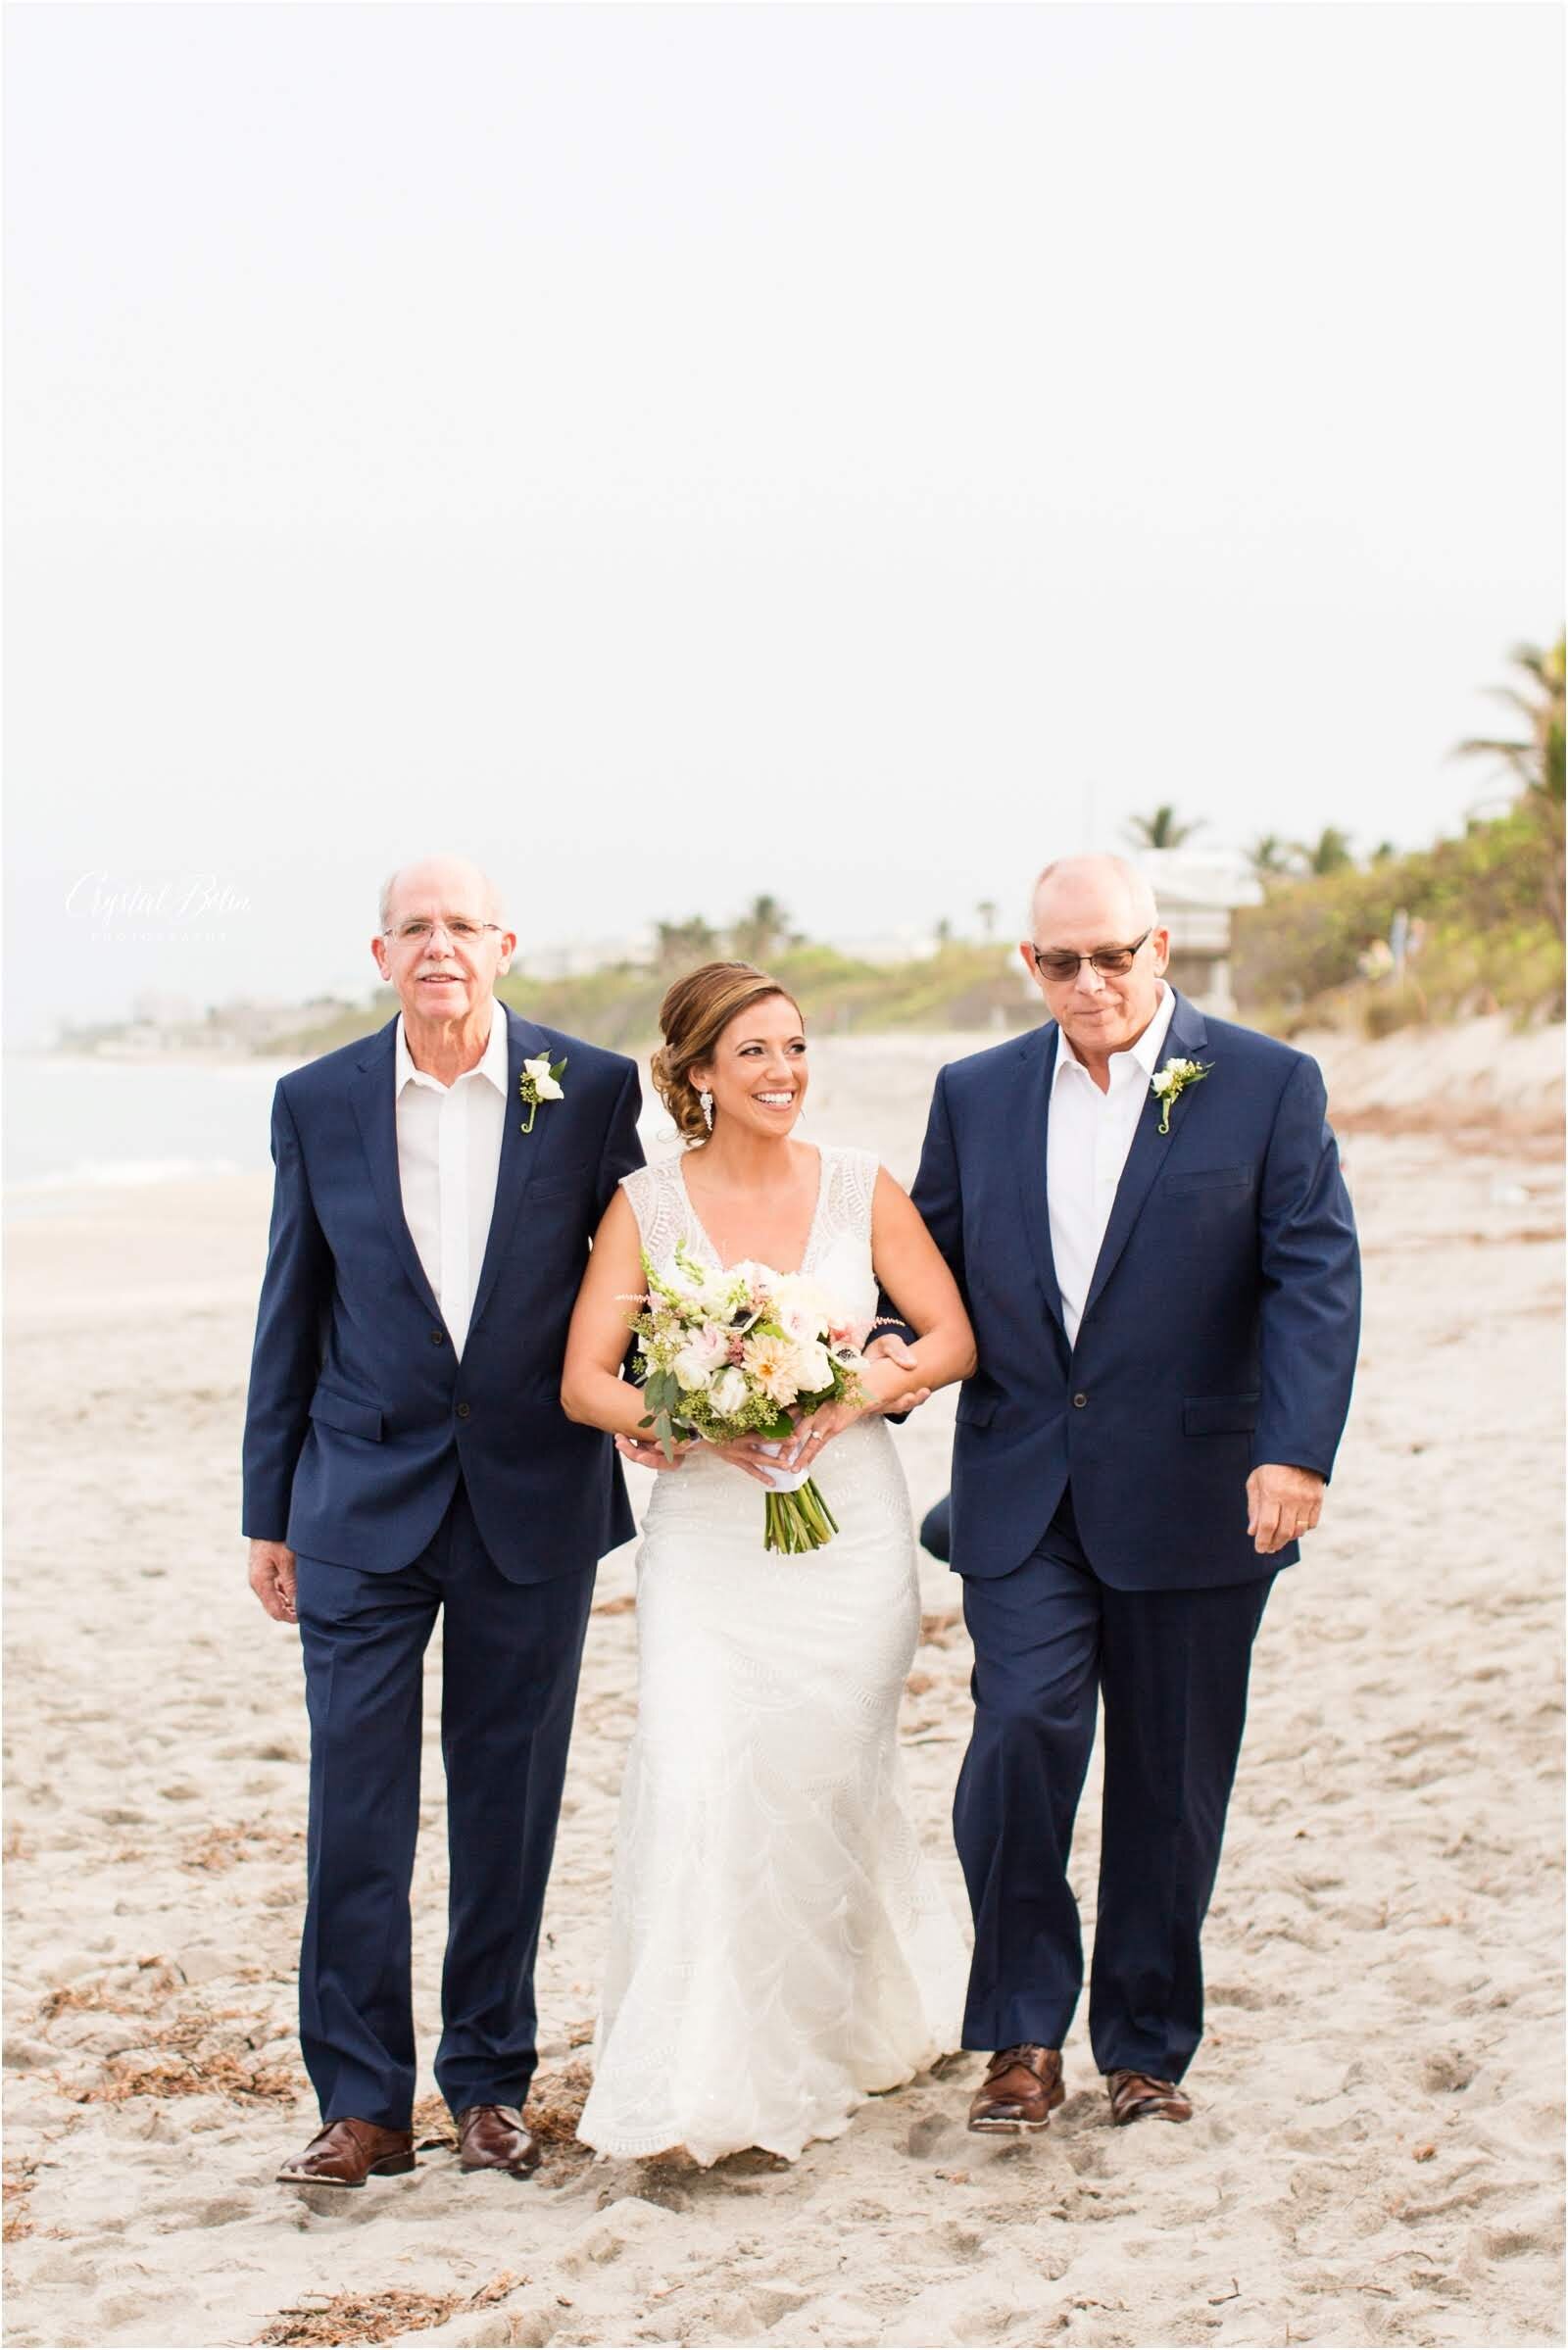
(1145, 1213)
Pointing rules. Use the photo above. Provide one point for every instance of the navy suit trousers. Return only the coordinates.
(511, 1653)
(1171, 1667)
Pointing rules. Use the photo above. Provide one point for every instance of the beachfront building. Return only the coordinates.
(1198, 895)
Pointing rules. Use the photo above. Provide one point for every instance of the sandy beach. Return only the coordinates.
(1376, 2153)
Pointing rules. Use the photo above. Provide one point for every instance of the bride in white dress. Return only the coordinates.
(779, 1945)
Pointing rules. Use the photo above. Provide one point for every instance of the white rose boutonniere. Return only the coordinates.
(540, 1082)
(1170, 1082)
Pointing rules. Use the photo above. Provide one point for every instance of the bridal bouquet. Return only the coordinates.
(745, 1353)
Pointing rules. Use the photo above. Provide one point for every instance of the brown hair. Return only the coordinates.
(695, 1014)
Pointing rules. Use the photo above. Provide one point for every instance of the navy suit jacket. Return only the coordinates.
(1220, 1328)
(359, 1414)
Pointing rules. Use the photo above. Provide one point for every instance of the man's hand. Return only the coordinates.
(271, 1577)
(1280, 1504)
(890, 1347)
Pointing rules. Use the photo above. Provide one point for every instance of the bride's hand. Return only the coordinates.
(880, 1382)
(819, 1428)
(748, 1453)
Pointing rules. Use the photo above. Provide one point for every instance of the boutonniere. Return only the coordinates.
(1172, 1081)
(540, 1082)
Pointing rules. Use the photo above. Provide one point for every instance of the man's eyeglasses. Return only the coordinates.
(461, 929)
(1111, 962)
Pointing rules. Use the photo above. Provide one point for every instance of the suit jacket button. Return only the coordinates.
(1079, 1402)
(462, 1412)
(438, 1338)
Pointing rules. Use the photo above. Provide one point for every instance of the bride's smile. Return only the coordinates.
(756, 1082)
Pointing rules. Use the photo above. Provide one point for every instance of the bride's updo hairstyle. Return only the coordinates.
(695, 1014)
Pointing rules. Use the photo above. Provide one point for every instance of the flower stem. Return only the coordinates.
(798, 1522)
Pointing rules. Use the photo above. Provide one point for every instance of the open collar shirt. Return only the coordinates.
(1087, 1137)
(449, 1158)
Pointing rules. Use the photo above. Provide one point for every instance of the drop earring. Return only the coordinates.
(706, 1101)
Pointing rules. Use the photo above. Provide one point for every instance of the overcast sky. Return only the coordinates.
(676, 453)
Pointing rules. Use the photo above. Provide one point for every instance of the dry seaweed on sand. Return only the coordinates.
(208, 2074)
(556, 2102)
(341, 2317)
(14, 2190)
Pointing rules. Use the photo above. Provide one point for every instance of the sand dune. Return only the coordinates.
(1376, 2155)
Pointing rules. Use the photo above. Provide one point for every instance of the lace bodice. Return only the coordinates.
(838, 1247)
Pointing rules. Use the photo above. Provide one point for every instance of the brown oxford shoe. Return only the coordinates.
(348, 2152)
(1021, 2091)
(1145, 2097)
(496, 2137)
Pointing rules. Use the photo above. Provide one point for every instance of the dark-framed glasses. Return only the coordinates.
(1111, 962)
(463, 930)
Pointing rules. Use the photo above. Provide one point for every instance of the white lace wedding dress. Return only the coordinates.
(779, 1945)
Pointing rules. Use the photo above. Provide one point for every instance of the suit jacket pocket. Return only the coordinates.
(341, 1411)
(1220, 1415)
(1208, 1179)
(579, 1179)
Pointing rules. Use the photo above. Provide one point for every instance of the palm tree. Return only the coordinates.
(987, 911)
(1538, 759)
(1165, 829)
(1330, 852)
(761, 930)
(677, 944)
(1270, 857)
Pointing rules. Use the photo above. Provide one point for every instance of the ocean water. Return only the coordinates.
(75, 1123)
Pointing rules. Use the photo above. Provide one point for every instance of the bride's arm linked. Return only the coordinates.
(592, 1389)
(911, 1269)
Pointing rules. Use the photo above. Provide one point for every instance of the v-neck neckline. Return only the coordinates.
(810, 1234)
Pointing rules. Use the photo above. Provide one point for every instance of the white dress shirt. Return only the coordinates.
(1086, 1142)
(448, 1156)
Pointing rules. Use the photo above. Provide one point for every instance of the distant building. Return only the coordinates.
(887, 947)
(579, 956)
(1198, 895)
(156, 1010)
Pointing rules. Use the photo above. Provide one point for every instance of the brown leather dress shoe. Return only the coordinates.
(1145, 2097)
(348, 2152)
(1021, 2091)
(496, 2137)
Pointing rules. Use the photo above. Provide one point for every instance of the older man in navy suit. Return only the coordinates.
(406, 1453)
(1145, 1212)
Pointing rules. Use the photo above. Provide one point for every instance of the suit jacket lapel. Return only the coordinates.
(521, 1153)
(375, 1108)
(1038, 1052)
(1184, 1038)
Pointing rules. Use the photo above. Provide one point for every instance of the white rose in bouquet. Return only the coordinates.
(701, 1356)
(813, 1370)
